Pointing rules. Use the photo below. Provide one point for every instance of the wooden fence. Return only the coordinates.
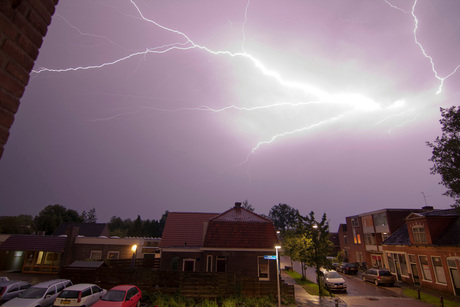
(188, 284)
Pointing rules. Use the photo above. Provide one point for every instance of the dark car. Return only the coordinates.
(379, 277)
(347, 268)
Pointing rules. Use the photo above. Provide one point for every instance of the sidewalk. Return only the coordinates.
(303, 298)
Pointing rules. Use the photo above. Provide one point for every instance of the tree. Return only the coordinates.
(446, 153)
(246, 205)
(20, 224)
(284, 217)
(54, 215)
(309, 244)
(317, 251)
(90, 216)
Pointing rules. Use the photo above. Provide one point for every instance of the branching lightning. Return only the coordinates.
(354, 102)
(422, 49)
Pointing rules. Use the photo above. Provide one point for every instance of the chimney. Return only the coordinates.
(237, 205)
(427, 208)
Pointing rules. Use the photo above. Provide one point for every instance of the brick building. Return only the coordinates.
(23, 24)
(425, 251)
(362, 236)
(235, 241)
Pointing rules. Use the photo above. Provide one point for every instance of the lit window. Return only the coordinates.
(113, 255)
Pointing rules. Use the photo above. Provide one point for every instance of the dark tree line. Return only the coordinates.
(138, 227)
(50, 217)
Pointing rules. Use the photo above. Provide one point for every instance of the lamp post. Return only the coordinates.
(315, 246)
(277, 247)
(133, 260)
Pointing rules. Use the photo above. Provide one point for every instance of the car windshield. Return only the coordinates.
(69, 294)
(114, 296)
(332, 275)
(33, 292)
(384, 273)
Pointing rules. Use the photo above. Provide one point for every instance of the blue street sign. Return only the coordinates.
(270, 257)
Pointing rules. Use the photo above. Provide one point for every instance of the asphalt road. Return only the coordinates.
(360, 293)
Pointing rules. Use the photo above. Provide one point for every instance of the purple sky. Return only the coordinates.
(145, 106)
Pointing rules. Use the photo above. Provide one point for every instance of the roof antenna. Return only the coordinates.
(424, 198)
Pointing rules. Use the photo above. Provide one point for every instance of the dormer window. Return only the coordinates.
(418, 233)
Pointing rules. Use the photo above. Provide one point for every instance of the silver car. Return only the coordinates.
(40, 295)
(11, 289)
(379, 277)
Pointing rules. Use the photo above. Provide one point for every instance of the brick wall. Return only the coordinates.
(23, 24)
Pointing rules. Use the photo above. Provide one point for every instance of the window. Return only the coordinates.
(86, 292)
(418, 233)
(425, 268)
(60, 287)
(263, 268)
(380, 219)
(188, 265)
(221, 264)
(438, 270)
(403, 264)
(113, 255)
(369, 238)
(367, 221)
(356, 237)
(95, 255)
(96, 289)
(385, 236)
(209, 263)
(51, 290)
(13, 288)
(355, 222)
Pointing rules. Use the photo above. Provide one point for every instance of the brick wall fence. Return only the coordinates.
(23, 24)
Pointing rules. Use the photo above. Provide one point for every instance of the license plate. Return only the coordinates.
(66, 302)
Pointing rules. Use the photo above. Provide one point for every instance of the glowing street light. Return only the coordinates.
(277, 247)
(133, 260)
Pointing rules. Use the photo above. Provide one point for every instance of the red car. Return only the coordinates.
(121, 296)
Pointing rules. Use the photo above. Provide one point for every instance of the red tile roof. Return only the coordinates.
(34, 243)
(240, 228)
(227, 234)
(185, 229)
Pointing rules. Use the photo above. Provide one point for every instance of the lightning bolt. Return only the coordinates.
(422, 49)
(353, 101)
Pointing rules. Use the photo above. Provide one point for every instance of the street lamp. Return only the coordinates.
(133, 260)
(277, 247)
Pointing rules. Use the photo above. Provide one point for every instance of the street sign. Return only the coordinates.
(270, 257)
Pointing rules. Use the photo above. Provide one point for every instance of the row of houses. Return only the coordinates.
(418, 246)
(236, 241)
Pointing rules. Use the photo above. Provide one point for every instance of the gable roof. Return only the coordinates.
(240, 228)
(399, 237)
(185, 229)
(240, 214)
(86, 229)
(34, 243)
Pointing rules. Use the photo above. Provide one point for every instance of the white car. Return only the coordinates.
(333, 281)
(80, 295)
(40, 295)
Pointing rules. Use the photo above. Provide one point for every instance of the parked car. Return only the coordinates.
(121, 296)
(333, 281)
(347, 268)
(379, 276)
(40, 295)
(79, 295)
(11, 289)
